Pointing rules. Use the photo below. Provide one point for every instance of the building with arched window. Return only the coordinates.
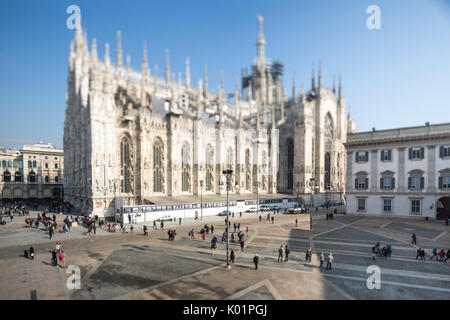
(151, 137)
(23, 173)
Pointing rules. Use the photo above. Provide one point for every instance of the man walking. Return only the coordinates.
(232, 256)
(272, 219)
(286, 253)
(322, 259)
(255, 261)
(414, 238)
(259, 218)
(280, 254)
(213, 245)
(308, 255)
(330, 260)
(242, 245)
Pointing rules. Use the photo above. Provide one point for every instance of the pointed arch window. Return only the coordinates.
(247, 170)
(209, 168)
(158, 167)
(327, 177)
(186, 168)
(290, 163)
(125, 166)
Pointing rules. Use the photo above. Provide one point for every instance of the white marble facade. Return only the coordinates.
(132, 135)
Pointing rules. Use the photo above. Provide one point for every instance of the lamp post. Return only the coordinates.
(312, 183)
(228, 174)
(201, 199)
(298, 191)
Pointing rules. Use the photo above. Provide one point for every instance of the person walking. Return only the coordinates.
(259, 218)
(435, 254)
(296, 222)
(212, 229)
(162, 225)
(246, 230)
(280, 254)
(179, 221)
(330, 260)
(447, 255)
(256, 261)
(58, 247)
(62, 259)
(213, 245)
(31, 252)
(308, 255)
(145, 231)
(322, 259)
(286, 253)
(273, 219)
(414, 238)
(232, 256)
(242, 245)
(54, 257)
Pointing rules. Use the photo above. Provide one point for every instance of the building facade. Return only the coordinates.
(131, 137)
(34, 172)
(400, 172)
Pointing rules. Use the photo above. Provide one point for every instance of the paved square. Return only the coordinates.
(132, 266)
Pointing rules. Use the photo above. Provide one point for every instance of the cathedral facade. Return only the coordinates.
(132, 136)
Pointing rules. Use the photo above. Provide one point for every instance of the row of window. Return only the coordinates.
(31, 177)
(414, 183)
(416, 153)
(415, 206)
(19, 164)
(11, 163)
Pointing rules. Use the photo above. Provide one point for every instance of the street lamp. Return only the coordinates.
(312, 183)
(228, 174)
(298, 191)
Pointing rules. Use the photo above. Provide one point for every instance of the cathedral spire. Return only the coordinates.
(302, 94)
(155, 77)
(128, 67)
(119, 49)
(144, 59)
(236, 98)
(250, 89)
(334, 84)
(261, 43)
(199, 102)
(313, 79)
(205, 81)
(340, 86)
(94, 54)
(188, 73)
(107, 58)
(221, 88)
(294, 89)
(167, 68)
(320, 74)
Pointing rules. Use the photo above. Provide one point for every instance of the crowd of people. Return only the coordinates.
(384, 252)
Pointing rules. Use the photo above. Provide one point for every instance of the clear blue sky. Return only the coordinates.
(394, 77)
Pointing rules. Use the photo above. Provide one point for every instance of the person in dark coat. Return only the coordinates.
(31, 252)
(54, 257)
(232, 256)
(256, 261)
